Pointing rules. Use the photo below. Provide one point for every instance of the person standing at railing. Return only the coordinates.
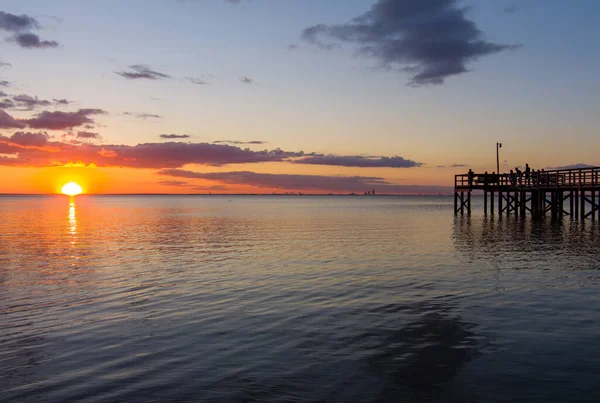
(519, 176)
(513, 178)
(527, 175)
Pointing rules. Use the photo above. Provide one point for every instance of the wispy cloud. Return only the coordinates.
(144, 116)
(4, 64)
(246, 80)
(579, 165)
(360, 161)
(174, 136)
(431, 40)
(141, 71)
(238, 142)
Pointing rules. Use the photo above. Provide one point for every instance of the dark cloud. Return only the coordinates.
(88, 135)
(458, 165)
(8, 122)
(239, 142)
(32, 41)
(574, 166)
(175, 136)
(140, 71)
(292, 46)
(4, 83)
(314, 183)
(3, 64)
(61, 101)
(246, 80)
(17, 23)
(360, 161)
(511, 9)
(30, 139)
(63, 120)
(430, 39)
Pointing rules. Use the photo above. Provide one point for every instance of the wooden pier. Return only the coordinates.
(564, 192)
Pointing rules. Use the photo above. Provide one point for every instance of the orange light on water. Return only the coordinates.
(71, 189)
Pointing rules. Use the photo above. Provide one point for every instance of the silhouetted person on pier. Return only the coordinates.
(513, 178)
(470, 176)
(519, 176)
(527, 175)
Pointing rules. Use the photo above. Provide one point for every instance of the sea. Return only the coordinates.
(293, 299)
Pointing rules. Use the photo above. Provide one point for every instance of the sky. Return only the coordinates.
(310, 96)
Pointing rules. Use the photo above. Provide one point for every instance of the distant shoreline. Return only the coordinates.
(227, 195)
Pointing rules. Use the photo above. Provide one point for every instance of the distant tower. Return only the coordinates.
(373, 192)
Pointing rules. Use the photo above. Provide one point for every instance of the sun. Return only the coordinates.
(71, 189)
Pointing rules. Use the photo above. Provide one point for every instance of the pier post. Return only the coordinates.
(500, 203)
(571, 212)
(485, 201)
(593, 205)
(582, 208)
(455, 202)
(523, 204)
(576, 202)
(469, 202)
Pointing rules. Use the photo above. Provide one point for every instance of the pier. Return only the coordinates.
(563, 192)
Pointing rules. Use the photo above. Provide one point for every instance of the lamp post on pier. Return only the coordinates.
(498, 146)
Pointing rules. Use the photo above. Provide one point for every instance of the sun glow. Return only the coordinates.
(71, 189)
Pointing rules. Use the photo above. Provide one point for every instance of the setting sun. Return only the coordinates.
(71, 189)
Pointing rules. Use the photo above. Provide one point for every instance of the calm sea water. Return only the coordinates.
(293, 299)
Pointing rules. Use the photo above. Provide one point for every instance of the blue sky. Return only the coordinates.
(539, 99)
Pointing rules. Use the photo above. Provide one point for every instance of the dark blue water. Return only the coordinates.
(298, 299)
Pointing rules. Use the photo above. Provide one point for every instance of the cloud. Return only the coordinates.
(246, 80)
(29, 40)
(574, 166)
(239, 142)
(88, 135)
(143, 115)
(25, 102)
(314, 183)
(430, 39)
(360, 161)
(511, 9)
(30, 139)
(458, 165)
(174, 183)
(175, 136)
(17, 23)
(140, 71)
(3, 64)
(4, 83)
(8, 122)
(63, 120)
(29, 103)
(197, 81)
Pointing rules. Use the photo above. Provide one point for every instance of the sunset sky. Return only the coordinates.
(312, 96)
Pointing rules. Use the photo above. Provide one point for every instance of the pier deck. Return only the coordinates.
(562, 192)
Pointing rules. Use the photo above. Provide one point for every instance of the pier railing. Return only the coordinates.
(552, 179)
